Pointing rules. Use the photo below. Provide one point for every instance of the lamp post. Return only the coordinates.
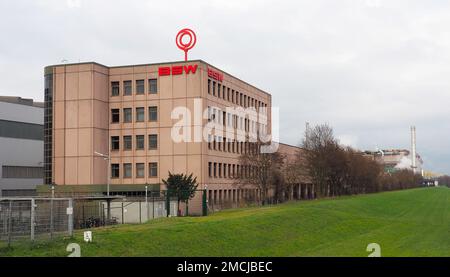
(108, 201)
(106, 158)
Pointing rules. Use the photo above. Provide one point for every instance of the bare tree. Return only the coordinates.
(321, 147)
(337, 170)
(261, 170)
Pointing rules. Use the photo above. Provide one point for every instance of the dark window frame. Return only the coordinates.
(115, 112)
(125, 113)
(140, 139)
(115, 88)
(152, 112)
(153, 85)
(115, 143)
(155, 141)
(140, 87)
(127, 88)
(127, 139)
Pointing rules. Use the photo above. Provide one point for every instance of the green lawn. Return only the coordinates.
(404, 223)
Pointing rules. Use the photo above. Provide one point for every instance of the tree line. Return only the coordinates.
(334, 169)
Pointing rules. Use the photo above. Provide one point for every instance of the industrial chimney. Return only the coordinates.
(413, 149)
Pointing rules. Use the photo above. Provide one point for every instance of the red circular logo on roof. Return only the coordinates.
(186, 46)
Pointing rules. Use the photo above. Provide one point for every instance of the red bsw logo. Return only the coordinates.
(177, 70)
(215, 74)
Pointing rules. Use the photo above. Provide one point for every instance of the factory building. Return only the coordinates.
(21, 146)
(395, 159)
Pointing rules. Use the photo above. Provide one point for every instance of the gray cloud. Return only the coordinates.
(369, 68)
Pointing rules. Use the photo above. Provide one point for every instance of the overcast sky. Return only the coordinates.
(369, 68)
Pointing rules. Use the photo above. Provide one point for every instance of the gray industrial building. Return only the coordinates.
(21, 145)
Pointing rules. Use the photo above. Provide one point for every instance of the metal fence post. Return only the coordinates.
(9, 223)
(122, 213)
(167, 203)
(32, 220)
(146, 202)
(140, 214)
(70, 219)
(82, 216)
(204, 204)
(51, 218)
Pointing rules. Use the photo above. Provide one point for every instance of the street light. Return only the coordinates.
(106, 158)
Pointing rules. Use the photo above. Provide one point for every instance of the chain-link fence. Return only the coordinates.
(35, 218)
(40, 218)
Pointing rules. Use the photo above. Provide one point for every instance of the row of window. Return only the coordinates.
(232, 146)
(139, 88)
(233, 96)
(225, 170)
(139, 114)
(22, 172)
(140, 142)
(219, 196)
(139, 169)
(234, 121)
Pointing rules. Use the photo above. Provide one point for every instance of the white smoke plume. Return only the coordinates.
(405, 163)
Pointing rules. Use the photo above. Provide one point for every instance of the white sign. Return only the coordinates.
(69, 211)
(88, 236)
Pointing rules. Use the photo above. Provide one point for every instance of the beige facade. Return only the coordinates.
(84, 100)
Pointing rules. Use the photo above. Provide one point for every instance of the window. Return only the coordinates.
(115, 143)
(215, 170)
(127, 116)
(153, 113)
(218, 90)
(140, 170)
(127, 143)
(115, 170)
(152, 141)
(214, 88)
(127, 170)
(115, 88)
(140, 87)
(153, 170)
(115, 115)
(14, 129)
(139, 142)
(127, 88)
(140, 117)
(210, 169)
(209, 86)
(22, 172)
(152, 86)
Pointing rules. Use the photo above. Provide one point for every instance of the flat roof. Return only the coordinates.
(159, 63)
(21, 101)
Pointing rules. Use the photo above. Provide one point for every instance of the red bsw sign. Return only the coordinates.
(215, 74)
(177, 70)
